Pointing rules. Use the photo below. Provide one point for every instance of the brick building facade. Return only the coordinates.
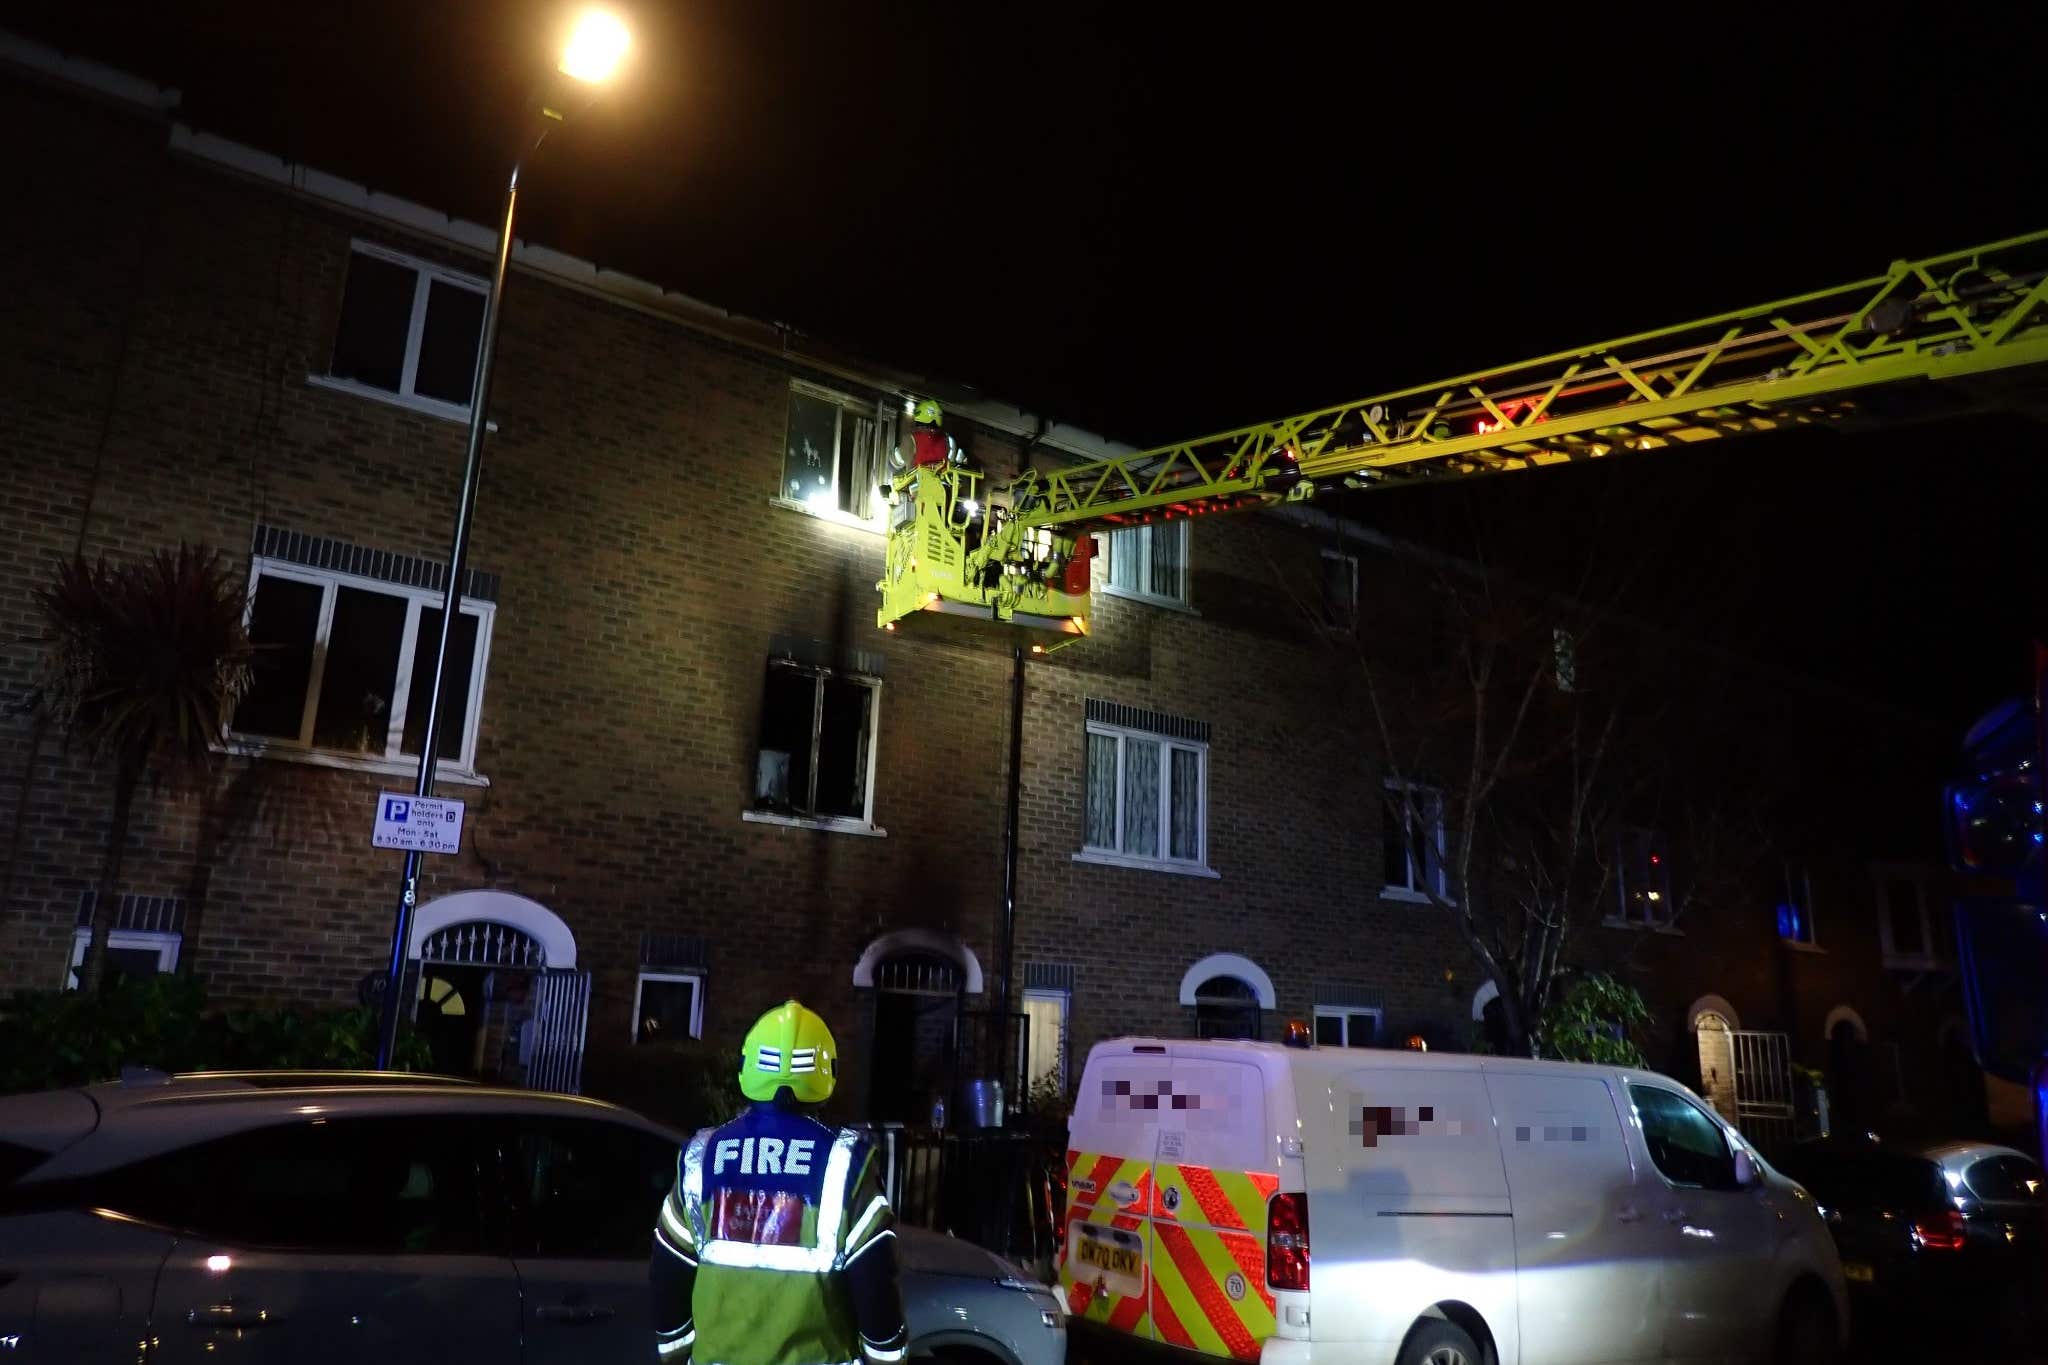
(207, 345)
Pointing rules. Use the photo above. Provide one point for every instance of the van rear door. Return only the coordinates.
(1105, 1266)
(1214, 1173)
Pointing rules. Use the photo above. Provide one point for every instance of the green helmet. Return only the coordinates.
(927, 413)
(789, 1045)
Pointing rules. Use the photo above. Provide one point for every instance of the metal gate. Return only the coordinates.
(561, 1009)
(1764, 1102)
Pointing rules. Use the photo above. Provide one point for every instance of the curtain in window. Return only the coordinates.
(857, 466)
(1185, 838)
(1101, 791)
(1127, 550)
(1167, 561)
(1141, 797)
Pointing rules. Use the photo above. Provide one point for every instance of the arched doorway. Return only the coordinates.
(1229, 995)
(919, 979)
(496, 992)
(1714, 1023)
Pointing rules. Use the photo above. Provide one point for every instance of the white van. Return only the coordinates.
(1319, 1205)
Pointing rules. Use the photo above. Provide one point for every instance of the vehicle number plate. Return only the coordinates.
(1858, 1273)
(1111, 1257)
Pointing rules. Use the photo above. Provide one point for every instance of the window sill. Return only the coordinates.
(1147, 864)
(447, 412)
(1168, 603)
(1665, 929)
(828, 824)
(830, 514)
(354, 763)
(1791, 946)
(1405, 896)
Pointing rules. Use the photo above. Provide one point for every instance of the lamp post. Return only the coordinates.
(595, 48)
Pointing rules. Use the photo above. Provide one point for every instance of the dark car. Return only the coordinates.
(1930, 1231)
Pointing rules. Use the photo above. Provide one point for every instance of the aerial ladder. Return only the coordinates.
(1944, 333)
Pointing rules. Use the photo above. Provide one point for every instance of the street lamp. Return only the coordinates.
(595, 49)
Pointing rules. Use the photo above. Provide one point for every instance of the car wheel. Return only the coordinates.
(1436, 1342)
(1806, 1331)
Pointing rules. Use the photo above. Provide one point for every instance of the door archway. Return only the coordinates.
(495, 992)
(917, 980)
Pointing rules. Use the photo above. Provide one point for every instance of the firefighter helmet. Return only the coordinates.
(927, 413)
(789, 1046)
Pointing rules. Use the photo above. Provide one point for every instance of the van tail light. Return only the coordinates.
(1945, 1233)
(1287, 1242)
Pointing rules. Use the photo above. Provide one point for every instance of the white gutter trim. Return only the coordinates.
(118, 86)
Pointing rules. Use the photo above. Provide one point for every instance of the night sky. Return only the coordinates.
(1160, 220)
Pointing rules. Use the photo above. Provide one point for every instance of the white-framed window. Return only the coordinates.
(1150, 562)
(1412, 842)
(409, 331)
(1045, 1029)
(1795, 907)
(130, 952)
(1147, 799)
(1347, 1026)
(1905, 923)
(345, 667)
(815, 762)
(835, 455)
(1340, 589)
(667, 1005)
(1642, 879)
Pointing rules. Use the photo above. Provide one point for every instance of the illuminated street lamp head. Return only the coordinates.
(596, 47)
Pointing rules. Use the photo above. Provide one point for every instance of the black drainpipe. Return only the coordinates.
(1011, 797)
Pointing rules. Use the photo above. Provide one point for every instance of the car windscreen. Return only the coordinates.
(2006, 1179)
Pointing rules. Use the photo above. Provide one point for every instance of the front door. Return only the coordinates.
(1717, 1241)
(1587, 1252)
(330, 1241)
(580, 1197)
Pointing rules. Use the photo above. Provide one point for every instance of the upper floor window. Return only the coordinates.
(816, 757)
(1340, 589)
(1412, 841)
(1905, 927)
(836, 454)
(409, 330)
(345, 665)
(1642, 879)
(1795, 909)
(1150, 562)
(1147, 797)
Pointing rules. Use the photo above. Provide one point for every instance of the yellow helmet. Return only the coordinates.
(789, 1046)
(927, 413)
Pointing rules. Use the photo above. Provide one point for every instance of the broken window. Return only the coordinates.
(816, 755)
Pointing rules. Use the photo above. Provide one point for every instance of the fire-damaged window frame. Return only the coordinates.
(798, 816)
(1133, 545)
(392, 758)
(1125, 725)
(427, 274)
(1642, 881)
(850, 482)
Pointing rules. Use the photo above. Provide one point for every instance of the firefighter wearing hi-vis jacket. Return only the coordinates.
(776, 1246)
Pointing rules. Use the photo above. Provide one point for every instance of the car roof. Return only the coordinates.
(1962, 1152)
(137, 1121)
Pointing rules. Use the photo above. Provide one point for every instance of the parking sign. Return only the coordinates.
(423, 823)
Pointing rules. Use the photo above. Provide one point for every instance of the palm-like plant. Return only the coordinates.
(147, 659)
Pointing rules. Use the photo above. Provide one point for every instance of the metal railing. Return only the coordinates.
(1000, 1189)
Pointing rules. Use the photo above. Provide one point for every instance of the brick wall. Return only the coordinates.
(161, 320)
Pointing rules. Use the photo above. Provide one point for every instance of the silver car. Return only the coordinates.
(300, 1218)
